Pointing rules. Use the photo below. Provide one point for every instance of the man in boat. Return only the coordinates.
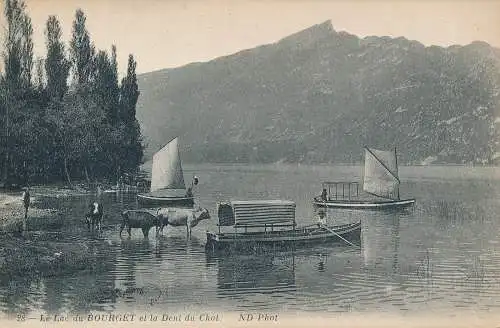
(323, 194)
(189, 192)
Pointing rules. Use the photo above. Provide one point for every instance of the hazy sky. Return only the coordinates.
(170, 33)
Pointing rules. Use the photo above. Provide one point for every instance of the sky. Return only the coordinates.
(171, 33)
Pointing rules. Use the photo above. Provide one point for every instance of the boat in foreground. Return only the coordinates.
(167, 180)
(380, 179)
(271, 223)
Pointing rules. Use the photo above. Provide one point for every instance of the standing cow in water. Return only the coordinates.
(93, 218)
(139, 219)
(178, 217)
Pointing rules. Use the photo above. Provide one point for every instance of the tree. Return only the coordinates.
(18, 56)
(16, 80)
(79, 132)
(56, 65)
(106, 85)
(129, 94)
(55, 131)
(82, 50)
(40, 78)
(114, 88)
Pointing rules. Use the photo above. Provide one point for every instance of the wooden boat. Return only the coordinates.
(262, 223)
(380, 179)
(167, 180)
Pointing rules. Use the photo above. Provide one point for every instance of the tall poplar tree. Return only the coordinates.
(16, 85)
(82, 50)
(18, 56)
(56, 64)
(129, 94)
(106, 84)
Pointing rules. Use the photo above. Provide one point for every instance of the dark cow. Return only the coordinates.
(139, 219)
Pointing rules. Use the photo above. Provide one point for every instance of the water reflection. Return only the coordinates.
(132, 255)
(268, 273)
(321, 262)
(93, 289)
(54, 296)
(381, 253)
(90, 288)
(443, 254)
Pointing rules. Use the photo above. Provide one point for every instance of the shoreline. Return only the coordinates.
(12, 212)
(37, 252)
(12, 209)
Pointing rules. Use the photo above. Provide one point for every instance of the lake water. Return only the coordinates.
(442, 256)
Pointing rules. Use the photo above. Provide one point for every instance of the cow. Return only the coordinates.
(177, 217)
(139, 219)
(93, 218)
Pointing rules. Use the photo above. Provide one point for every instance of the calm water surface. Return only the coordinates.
(443, 255)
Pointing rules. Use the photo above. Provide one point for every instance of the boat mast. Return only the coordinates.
(396, 159)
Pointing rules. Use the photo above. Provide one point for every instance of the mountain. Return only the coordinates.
(319, 96)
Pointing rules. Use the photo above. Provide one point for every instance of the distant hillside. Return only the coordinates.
(319, 96)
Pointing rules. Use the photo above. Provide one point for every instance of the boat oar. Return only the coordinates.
(333, 232)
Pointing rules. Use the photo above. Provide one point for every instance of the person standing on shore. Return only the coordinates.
(26, 202)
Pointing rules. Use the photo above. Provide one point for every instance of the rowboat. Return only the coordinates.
(167, 180)
(380, 179)
(258, 224)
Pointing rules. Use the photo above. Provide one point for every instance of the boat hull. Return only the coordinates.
(359, 204)
(287, 239)
(147, 200)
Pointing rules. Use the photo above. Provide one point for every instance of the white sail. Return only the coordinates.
(167, 169)
(381, 173)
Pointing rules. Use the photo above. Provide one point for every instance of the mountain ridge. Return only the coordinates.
(319, 96)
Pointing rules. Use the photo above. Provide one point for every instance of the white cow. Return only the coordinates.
(177, 217)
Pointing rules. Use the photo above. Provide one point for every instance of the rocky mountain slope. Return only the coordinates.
(319, 96)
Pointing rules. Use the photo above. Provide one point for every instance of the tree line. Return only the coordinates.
(65, 116)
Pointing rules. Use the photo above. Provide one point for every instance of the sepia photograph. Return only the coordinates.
(280, 163)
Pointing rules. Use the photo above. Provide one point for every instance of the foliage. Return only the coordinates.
(54, 130)
(56, 65)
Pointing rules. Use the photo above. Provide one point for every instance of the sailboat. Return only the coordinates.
(167, 180)
(380, 179)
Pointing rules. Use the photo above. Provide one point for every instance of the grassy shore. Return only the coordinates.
(39, 251)
(12, 210)
(12, 213)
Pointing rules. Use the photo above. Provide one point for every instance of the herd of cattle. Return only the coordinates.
(145, 219)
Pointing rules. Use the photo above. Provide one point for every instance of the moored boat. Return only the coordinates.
(380, 180)
(167, 180)
(262, 223)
